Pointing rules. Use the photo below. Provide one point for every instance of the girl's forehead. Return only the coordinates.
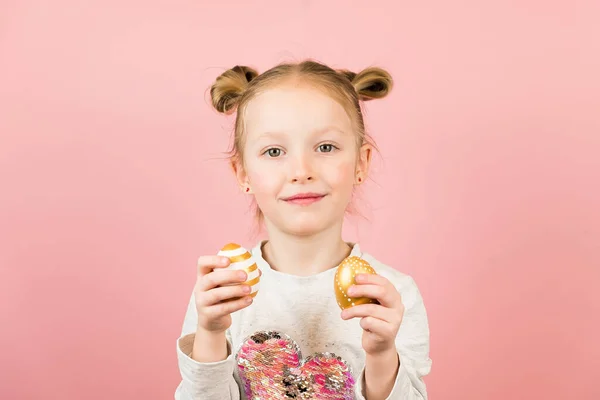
(291, 109)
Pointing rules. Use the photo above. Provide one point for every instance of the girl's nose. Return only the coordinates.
(301, 169)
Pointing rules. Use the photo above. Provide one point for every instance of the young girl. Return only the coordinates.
(300, 149)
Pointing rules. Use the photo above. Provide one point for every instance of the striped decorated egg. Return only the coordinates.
(345, 276)
(242, 259)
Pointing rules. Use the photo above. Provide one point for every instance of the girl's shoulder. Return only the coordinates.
(403, 282)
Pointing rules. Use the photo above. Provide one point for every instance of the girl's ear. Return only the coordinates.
(364, 162)
(240, 175)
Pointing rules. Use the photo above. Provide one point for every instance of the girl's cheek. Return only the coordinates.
(261, 179)
(342, 172)
(254, 171)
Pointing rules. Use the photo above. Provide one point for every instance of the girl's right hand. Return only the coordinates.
(218, 293)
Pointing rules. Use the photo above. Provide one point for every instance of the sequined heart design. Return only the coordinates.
(271, 367)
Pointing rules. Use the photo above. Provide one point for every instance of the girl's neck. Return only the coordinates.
(305, 255)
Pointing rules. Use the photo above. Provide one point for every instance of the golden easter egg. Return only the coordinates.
(241, 259)
(345, 276)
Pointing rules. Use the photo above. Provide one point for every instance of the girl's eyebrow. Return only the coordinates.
(329, 129)
(316, 132)
(271, 135)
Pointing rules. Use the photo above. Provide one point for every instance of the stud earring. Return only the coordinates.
(247, 189)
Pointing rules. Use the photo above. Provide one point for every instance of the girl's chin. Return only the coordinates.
(305, 227)
(302, 223)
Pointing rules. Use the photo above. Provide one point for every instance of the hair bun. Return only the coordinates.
(370, 83)
(230, 86)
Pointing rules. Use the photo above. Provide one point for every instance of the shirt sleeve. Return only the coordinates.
(203, 381)
(412, 343)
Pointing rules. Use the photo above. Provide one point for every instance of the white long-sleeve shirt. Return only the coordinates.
(305, 309)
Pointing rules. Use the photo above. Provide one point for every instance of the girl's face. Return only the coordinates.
(300, 142)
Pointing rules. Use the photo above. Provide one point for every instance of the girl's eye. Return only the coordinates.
(326, 148)
(274, 152)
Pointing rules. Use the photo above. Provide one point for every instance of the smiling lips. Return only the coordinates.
(304, 198)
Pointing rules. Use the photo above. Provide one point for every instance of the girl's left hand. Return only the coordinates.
(380, 322)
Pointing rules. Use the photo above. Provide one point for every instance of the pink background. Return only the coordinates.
(112, 182)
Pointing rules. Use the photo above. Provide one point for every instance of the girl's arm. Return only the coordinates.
(205, 381)
(412, 345)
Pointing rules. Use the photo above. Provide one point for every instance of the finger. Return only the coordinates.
(207, 264)
(371, 310)
(378, 327)
(225, 308)
(372, 279)
(383, 294)
(222, 294)
(221, 278)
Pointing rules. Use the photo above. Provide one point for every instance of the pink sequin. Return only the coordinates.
(271, 367)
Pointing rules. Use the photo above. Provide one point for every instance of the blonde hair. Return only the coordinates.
(236, 87)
